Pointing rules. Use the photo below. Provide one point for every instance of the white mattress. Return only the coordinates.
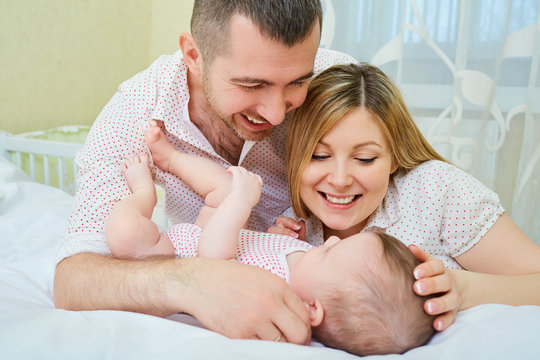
(32, 221)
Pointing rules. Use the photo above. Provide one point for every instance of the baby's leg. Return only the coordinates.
(201, 174)
(139, 178)
(129, 231)
(220, 236)
(161, 149)
(227, 206)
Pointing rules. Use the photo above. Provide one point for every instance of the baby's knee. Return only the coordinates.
(125, 236)
(214, 198)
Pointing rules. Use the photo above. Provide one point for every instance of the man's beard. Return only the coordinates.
(230, 123)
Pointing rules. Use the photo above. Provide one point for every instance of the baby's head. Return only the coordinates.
(364, 288)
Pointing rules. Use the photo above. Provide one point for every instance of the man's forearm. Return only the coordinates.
(236, 300)
(96, 282)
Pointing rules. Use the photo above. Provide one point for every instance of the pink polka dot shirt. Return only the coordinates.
(436, 206)
(265, 250)
(161, 92)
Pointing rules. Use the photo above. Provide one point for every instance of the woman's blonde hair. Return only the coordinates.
(332, 95)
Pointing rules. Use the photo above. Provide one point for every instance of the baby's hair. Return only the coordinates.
(377, 312)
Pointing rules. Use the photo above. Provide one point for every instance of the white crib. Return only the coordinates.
(48, 162)
(52, 163)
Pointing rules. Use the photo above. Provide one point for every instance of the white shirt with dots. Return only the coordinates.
(436, 206)
(161, 92)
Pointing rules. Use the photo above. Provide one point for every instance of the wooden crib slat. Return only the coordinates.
(32, 166)
(61, 173)
(18, 159)
(46, 177)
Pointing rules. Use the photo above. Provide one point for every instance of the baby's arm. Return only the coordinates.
(220, 236)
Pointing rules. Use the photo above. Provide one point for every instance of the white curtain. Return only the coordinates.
(470, 73)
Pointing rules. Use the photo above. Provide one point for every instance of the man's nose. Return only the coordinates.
(274, 106)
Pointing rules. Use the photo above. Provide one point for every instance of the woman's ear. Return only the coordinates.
(192, 54)
(395, 166)
(316, 312)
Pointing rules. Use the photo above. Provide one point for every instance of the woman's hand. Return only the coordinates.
(287, 226)
(433, 278)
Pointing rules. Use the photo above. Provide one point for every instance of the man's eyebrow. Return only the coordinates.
(305, 77)
(250, 80)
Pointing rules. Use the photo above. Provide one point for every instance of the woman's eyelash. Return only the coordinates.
(367, 160)
(362, 160)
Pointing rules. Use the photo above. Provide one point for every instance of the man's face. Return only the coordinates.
(257, 81)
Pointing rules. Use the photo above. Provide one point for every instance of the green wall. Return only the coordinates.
(62, 60)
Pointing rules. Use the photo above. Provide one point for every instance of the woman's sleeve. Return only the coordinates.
(470, 210)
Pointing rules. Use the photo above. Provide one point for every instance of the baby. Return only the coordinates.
(358, 290)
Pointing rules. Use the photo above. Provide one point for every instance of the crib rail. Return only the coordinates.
(27, 154)
(52, 163)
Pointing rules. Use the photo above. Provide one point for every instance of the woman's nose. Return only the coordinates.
(340, 176)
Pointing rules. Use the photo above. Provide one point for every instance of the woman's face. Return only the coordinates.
(348, 174)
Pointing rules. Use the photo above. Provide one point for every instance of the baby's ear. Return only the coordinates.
(316, 312)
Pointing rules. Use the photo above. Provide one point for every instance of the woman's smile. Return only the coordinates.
(347, 178)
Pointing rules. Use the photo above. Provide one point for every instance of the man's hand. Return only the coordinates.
(246, 302)
(236, 300)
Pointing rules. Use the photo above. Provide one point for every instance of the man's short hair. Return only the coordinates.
(286, 21)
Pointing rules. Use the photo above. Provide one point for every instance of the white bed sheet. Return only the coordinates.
(32, 221)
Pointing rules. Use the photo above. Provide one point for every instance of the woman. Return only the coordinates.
(358, 162)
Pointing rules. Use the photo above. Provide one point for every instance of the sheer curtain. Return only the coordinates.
(469, 71)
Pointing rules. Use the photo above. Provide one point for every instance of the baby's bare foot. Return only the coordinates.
(137, 172)
(245, 185)
(159, 146)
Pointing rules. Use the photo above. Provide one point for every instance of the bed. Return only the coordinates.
(32, 221)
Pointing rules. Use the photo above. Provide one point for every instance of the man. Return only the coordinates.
(246, 65)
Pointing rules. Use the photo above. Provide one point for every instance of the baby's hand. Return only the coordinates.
(246, 185)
